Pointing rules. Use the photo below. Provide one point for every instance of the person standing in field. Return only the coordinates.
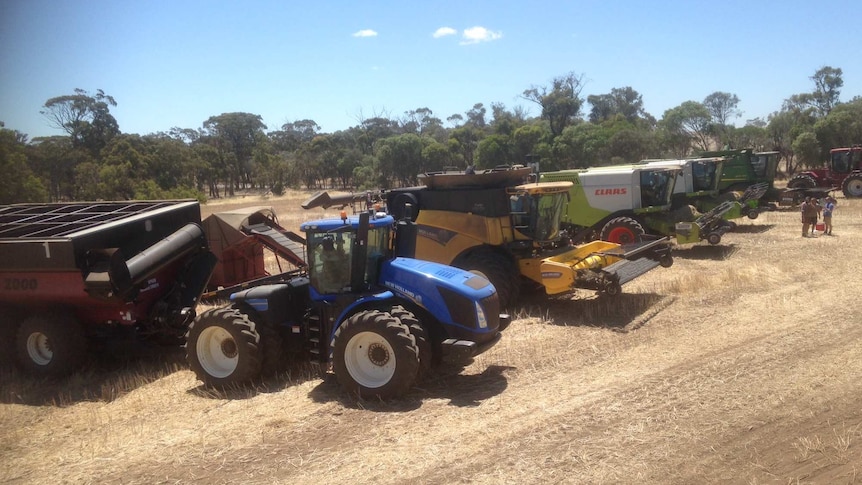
(809, 216)
(828, 208)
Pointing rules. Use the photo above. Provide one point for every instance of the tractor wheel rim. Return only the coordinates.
(370, 360)
(621, 235)
(217, 352)
(39, 348)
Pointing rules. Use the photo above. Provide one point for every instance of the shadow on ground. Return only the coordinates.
(112, 371)
(462, 390)
(719, 252)
(752, 228)
(621, 313)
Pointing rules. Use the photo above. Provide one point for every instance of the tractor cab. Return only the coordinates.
(845, 160)
(344, 254)
(537, 209)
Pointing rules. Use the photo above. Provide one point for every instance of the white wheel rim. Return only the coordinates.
(39, 349)
(217, 352)
(370, 360)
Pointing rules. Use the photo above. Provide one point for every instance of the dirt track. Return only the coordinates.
(739, 364)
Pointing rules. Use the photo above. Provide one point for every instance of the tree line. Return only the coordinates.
(231, 152)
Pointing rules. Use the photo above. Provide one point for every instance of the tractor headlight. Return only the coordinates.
(480, 316)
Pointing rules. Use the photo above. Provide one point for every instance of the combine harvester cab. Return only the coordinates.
(494, 223)
(72, 271)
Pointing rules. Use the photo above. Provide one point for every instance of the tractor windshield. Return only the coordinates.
(842, 161)
(331, 258)
(329, 261)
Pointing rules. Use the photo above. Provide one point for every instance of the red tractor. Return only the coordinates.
(844, 170)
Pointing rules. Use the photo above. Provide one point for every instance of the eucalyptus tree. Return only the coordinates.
(561, 102)
(19, 183)
(620, 101)
(236, 135)
(689, 122)
(86, 118)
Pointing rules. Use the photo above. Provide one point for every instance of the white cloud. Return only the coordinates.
(477, 34)
(443, 32)
(365, 33)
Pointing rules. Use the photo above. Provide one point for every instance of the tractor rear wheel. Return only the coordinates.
(801, 181)
(51, 344)
(623, 230)
(375, 355)
(500, 271)
(853, 186)
(223, 347)
(423, 340)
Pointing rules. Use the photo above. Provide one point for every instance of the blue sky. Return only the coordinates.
(176, 63)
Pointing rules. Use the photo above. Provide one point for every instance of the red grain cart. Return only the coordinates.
(70, 270)
(252, 248)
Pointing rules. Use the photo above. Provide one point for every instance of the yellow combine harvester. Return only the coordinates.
(495, 224)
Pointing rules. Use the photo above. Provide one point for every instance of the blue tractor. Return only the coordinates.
(378, 319)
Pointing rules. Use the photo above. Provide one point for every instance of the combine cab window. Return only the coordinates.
(703, 175)
(655, 188)
(550, 209)
(759, 165)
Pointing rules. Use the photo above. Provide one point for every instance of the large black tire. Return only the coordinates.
(223, 347)
(623, 230)
(801, 181)
(51, 344)
(375, 355)
(852, 186)
(423, 340)
(501, 271)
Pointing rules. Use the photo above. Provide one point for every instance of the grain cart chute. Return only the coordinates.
(242, 240)
(509, 231)
(379, 320)
(74, 271)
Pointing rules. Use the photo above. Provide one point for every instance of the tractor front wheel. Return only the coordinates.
(375, 355)
(223, 347)
(623, 230)
(51, 344)
(853, 186)
(423, 340)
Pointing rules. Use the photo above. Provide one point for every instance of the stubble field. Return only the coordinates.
(742, 363)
